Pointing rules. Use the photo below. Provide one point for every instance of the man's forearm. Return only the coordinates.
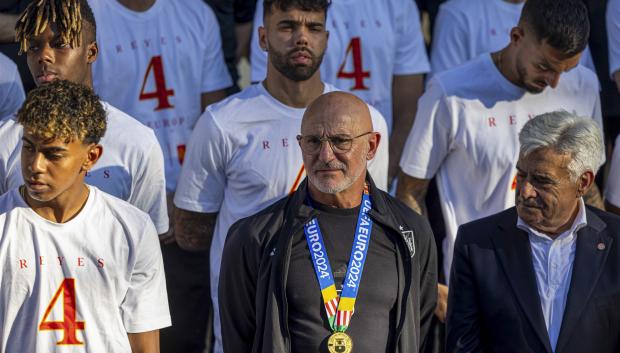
(144, 342)
(406, 90)
(194, 230)
(411, 192)
(7, 28)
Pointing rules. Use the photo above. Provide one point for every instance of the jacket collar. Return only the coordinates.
(513, 250)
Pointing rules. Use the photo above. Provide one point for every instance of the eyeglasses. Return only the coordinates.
(338, 143)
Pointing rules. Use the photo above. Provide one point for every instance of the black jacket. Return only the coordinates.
(493, 303)
(252, 295)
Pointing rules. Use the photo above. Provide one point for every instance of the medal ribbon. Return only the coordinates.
(340, 310)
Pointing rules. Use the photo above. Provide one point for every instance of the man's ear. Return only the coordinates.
(92, 52)
(94, 153)
(373, 143)
(516, 35)
(262, 38)
(584, 182)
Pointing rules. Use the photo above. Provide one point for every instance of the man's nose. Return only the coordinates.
(526, 189)
(326, 153)
(36, 163)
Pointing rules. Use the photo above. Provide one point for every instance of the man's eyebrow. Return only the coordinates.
(52, 149)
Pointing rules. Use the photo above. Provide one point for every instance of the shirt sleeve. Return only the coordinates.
(203, 176)
(612, 192)
(145, 306)
(410, 57)
(149, 192)
(449, 47)
(11, 89)
(378, 166)
(258, 58)
(215, 75)
(431, 136)
(613, 35)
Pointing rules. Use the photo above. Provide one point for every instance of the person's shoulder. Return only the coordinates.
(463, 8)
(239, 108)
(472, 75)
(611, 220)
(121, 211)
(8, 202)
(6, 63)
(260, 227)
(480, 229)
(194, 12)
(10, 134)
(125, 130)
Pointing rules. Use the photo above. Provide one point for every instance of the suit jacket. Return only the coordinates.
(493, 302)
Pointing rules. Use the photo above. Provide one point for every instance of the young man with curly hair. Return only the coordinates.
(79, 268)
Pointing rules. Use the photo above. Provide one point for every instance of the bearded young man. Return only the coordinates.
(242, 154)
(278, 292)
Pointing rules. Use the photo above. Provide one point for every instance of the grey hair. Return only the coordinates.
(566, 133)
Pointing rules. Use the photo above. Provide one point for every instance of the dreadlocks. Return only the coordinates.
(67, 15)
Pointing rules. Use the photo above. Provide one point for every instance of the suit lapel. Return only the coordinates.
(513, 250)
(590, 257)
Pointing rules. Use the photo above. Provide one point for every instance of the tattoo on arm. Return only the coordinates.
(412, 192)
(194, 230)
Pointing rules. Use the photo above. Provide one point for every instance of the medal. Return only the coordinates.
(339, 342)
(340, 308)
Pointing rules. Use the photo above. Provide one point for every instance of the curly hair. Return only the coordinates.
(63, 110)
(67, 15)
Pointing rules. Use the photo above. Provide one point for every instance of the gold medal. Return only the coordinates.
(339, 342)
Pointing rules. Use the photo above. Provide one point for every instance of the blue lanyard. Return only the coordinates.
(340, 310)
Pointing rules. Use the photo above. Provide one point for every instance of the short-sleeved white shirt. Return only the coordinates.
(130, 168)
(386, 34)
(612, 190)
(613, 35)
(242, 157)
(105, 263)
(154, 65)
(466, 133)
(464, 29)
(11, 89)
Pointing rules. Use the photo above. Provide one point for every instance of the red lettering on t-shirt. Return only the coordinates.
(284, 142)
(80, 262)
(106, 174)
(41, 261)
(492, 122)
(266, 145)
(119, 49)
(530, 116)
(23, 263)
(60, 260)
(100, 263)
(512, 119)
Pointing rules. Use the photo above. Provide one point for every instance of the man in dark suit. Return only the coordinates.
(543, 276)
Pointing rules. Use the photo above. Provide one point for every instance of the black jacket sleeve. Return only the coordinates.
(462, 325)
(237, 289)
(428, 281)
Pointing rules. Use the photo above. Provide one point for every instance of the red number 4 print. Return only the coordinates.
(161, 93)
(69, 325)
(358, 74)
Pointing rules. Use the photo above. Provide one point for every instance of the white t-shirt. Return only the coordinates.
(130, 168)
(613, 35)
(368, 39)
(466, 133)
(11, 89)
(242, 157)
(464, 29)
(612, 190)
(105, 264)
(155, 64)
